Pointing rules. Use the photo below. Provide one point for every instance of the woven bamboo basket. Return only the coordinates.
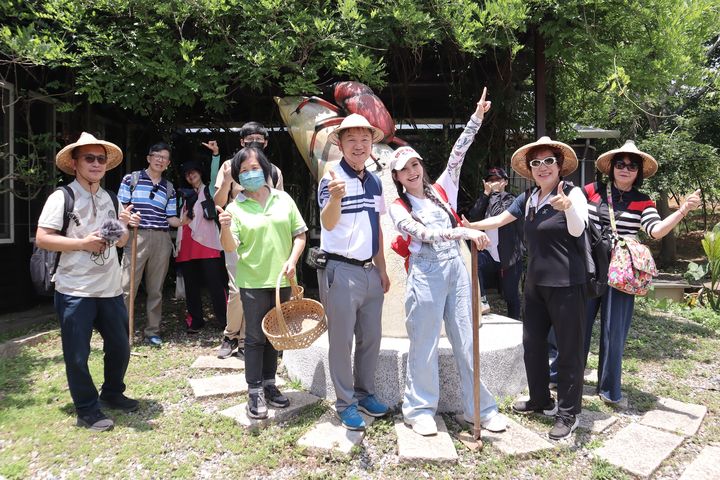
(294, 324)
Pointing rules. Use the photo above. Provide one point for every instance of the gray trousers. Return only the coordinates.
(353, 299)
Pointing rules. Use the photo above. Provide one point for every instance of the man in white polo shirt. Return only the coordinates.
(354, 282)
(88, 293)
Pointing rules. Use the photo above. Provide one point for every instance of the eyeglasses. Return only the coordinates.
(154, 190)
(630, 167)
(254, 138)
(161, 157)
(542, 161)
(90, 159)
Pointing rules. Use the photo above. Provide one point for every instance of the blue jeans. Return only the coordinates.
(616, 312)
(438, 287)
(78, 317)
(507, 280)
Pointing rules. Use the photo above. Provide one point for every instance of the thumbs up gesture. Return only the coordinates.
(560, 201)
(225, 218)
(691, 202)
(336, 186)
(128, 218)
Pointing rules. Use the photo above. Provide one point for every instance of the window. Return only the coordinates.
(6, 163)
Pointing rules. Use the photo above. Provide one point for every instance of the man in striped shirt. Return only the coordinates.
(153, 197)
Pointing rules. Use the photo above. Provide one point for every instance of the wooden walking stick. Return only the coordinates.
(131, 309)
(476, 314)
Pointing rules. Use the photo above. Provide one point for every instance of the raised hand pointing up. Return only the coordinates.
(482, 105)
(560, 201)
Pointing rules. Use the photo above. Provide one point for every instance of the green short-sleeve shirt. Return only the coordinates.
(264, 237)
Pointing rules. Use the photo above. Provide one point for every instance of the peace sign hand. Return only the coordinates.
(482, 105)
(560, 201)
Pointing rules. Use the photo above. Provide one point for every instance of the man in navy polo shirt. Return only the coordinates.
(154, 198)
(354, 282)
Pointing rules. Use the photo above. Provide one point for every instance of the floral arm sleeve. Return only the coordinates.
(450, 178)
(407, 225)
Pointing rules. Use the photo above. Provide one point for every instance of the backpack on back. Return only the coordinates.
(44, 263)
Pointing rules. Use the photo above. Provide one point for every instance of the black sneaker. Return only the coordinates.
(525, 407)
(96, 421)
(227, 347)
(274, 397)
(256, 407)
(564, 427)
(119, 402)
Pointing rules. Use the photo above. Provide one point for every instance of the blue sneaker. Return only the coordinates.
(351, 419)
(153, 341)
(372, 406)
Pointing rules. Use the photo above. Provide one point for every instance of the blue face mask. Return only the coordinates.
(252, 180)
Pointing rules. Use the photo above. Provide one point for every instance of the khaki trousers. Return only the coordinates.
(153, 256)
(235, 327)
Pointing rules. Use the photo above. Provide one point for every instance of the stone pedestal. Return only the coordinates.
(501, 365)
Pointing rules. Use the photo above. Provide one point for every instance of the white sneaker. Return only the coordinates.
(484, 307)
(423, 425)
(497, 423)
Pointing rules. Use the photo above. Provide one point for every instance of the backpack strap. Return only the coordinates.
(114, 199)
(274, 174)
(69, 196)
(134, 179)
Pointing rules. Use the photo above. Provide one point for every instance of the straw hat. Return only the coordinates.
(518, 163)
(64, 160)
(401, 156)
(650, 165)
(355, 120)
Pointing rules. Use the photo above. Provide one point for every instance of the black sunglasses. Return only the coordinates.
(630, 167)
(154, 190)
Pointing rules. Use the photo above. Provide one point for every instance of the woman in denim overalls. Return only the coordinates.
(438, 285)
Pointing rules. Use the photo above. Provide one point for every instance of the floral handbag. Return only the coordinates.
(632, 266)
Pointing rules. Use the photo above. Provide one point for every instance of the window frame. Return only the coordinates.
(10, 114)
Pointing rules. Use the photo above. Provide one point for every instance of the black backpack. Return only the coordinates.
(596, 244)
(44, 263)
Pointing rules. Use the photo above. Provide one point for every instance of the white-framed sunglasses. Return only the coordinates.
(542, 161)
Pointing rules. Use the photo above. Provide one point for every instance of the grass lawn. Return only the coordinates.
(173, 435)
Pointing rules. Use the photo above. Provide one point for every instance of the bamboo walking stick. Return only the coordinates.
(476, 313)
(131, 308)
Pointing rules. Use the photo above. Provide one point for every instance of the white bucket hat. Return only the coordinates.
(649, 166)
(64, 160)
(401, 156)
(519, 164)
(355, 120)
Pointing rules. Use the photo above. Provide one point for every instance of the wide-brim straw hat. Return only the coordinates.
(650, 165)
(64, 160)
(355, 120)
(518, 163)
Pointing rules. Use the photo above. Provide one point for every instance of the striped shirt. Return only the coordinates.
(633, 209)
(357, 233)
(150, 200)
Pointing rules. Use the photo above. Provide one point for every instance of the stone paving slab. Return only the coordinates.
(675, 416)
(590, 393)
(639, 449)
(221, 385)
(211, 361)
(329, 434)
(413, 447)
(591, 375)
(298, 402)
(516, 440)
(596, 422)
(705, 466)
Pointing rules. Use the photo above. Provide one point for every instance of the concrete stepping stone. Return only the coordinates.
(329, 434)
(298, 402)
(596, 422)
(221, 385)
(413, 447)
(591, 375)
(675, 416)
(590, 393)
(516, 440)
(211, 361)
(639, 449)
(705, 466)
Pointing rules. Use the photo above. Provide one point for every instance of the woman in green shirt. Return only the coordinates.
(263, 226)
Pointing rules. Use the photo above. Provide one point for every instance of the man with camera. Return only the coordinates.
(88, 294)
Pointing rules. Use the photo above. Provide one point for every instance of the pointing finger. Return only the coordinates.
(484, 94)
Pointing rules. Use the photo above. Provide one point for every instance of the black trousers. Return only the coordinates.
(564, 309)
(211, 274)
(260, 355)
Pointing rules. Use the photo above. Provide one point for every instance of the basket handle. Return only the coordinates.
(278, 311)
